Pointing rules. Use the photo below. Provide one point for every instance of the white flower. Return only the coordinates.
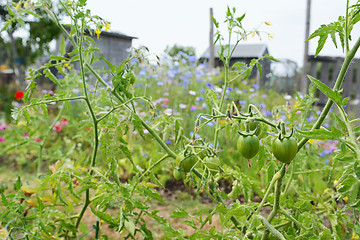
(287, 97)
(191, 92)
(355, 102)
(182, 106)
(168, 111)
(218, 90)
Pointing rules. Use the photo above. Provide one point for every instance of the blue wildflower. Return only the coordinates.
(268, 113)
(262, 105)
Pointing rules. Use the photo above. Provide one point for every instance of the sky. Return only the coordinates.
(160, 23)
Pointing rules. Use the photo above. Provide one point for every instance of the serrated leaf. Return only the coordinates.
(44, 109)
(267, 56)
(68, 226)
(258, 65)
(130, 226)
(111, 66)
(321, 134)
(106, 217)
(62, 49)
(17, 184)
(345, 101)
(26, 114)
(340, 122)
(127, 152)
(191, 224)
(153, 194)
(138, 124)
(179, 213)
(333, 95)
(52, 77)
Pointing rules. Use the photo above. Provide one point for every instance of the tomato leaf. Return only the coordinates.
(179, 213)
(333, 95)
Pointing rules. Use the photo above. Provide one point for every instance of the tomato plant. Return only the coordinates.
(112, 168)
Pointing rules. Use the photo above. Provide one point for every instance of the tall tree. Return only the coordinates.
(25, 50)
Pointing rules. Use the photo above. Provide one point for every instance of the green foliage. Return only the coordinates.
(103, 147)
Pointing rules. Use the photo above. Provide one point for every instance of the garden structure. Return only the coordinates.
(326, 69)
(245, 53)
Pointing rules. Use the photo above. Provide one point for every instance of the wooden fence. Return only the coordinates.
(326, 69)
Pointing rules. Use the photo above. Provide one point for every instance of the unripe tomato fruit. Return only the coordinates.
(186, 162)
(284, 150)
(252, 126)
(178, 173)
(213, 164)
(248, 146)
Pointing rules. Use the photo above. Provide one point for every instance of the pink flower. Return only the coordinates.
(57, 127)
(38, 139)
(3, 126)
(64, 121)
(26, 134)
(2, 139)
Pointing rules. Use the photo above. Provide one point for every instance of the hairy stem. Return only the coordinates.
(276, 205)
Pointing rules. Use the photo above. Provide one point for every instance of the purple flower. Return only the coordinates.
(168, 142)
(210, 85)
(241, 102)
(60, 76)
(192, 58)
(268, 113)
(255, 86)
(199, 73)
(262, 105)
(133, 61)
(211, 124)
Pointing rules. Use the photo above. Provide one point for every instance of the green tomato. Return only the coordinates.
(185, 163)
(178, 173)
(213, 164)
(248, 146)
(284, 150)
(130, 76)
(252, 126)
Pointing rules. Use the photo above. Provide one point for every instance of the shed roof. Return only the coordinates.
(116, 35)
(241, 51)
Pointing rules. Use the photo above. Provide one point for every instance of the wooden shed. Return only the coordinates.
(113, 46)
(245, 53)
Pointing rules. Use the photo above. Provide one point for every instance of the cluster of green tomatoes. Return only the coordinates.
(284, 148)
